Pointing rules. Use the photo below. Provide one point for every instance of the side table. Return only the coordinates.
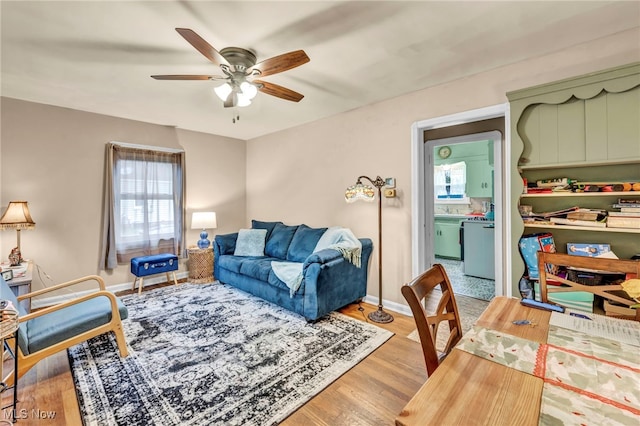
(200, 264)
(21, 284)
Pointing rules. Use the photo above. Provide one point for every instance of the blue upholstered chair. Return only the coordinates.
(58, 327)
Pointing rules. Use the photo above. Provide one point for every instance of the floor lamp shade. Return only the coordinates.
(357, 192)
(18, 217)
(204, 221)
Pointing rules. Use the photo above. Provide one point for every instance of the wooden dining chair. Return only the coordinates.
(588, 263)
(415, 293)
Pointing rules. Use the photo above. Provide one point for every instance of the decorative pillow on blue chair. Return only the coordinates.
(250, 242)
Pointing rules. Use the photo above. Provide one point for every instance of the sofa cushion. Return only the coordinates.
(303, 243)
(257, 268)
(278, 244)
(257, 224)
(230, 263)
(250, 242)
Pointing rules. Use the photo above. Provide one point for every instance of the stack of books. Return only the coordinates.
(583, 217)
(627, 217)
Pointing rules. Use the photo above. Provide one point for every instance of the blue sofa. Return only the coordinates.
(329, 280)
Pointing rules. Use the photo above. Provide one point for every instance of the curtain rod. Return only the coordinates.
(146, 147)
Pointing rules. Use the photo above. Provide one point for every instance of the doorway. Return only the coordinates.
(423, 230)
(459, 204)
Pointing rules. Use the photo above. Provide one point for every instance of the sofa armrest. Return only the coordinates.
(225, 244)
(322, 257)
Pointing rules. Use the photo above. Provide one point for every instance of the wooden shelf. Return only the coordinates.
(582, 228)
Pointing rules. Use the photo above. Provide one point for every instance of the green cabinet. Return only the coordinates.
(592, 119)
(585, 128)
(446, 240)
(479, 179)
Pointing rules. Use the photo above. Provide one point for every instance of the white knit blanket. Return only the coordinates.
(336, 238)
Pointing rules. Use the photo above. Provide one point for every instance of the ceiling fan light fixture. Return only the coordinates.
(223, 91)
(249, 90)
(243, 100)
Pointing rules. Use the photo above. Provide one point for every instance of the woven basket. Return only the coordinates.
(200, 266)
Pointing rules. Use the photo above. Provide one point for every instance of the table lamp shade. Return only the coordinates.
(204, 221)
(17, 216)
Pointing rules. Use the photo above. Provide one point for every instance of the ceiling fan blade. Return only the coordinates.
(281, 63)
(278, 91)
(202, 46)
(184, 77)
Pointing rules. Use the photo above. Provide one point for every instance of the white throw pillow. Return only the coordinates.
(250, 242)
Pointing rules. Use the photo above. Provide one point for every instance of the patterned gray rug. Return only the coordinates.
(211, 354)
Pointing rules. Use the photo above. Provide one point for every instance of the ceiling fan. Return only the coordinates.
(241, 70)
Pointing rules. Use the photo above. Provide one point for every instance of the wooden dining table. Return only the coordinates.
(471, 390)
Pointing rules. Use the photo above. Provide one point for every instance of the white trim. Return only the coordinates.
(418, 179)
(147, 147)
(389, 305)
(54, 300)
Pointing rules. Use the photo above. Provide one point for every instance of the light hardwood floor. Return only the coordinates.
(371, 393)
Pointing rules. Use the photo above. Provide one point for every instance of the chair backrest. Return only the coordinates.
(446, 310)
(588, 263)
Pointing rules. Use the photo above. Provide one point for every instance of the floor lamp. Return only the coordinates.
(367, 193)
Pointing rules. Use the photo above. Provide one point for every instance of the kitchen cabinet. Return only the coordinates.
(447, 238)
(479, 179)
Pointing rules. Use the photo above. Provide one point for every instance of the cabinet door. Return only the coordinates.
(447, 239)
(479, 182)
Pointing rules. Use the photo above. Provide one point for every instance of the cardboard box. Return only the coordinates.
(587, 250)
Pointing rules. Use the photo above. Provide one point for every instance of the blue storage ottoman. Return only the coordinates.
(143, 266)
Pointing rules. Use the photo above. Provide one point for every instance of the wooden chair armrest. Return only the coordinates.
(44, 311)
(96, 278)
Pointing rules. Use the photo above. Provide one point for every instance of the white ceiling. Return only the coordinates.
(98, 56)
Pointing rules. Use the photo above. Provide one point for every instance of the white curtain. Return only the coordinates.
(144, 204)
(450, 180)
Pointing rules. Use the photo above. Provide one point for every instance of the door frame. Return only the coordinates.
(422, 222)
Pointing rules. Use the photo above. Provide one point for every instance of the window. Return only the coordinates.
(144, 203)
(450, 181)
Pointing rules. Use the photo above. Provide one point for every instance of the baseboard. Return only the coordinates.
(54, 300)
(388, 305)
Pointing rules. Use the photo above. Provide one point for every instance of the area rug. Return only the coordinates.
(211, 354)
(469, 309)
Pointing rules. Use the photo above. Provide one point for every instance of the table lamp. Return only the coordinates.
(17, 217)
(204, 221)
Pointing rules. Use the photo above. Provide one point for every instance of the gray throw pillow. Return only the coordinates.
(250, 242)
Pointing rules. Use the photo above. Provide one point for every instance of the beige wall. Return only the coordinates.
(54, 158)
(299, 175)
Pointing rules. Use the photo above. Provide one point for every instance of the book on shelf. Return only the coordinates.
(587, 214)
(562, 212)
(626, 207)
(625, 214)
(629, 201)
(623, 222)
(576, 222)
